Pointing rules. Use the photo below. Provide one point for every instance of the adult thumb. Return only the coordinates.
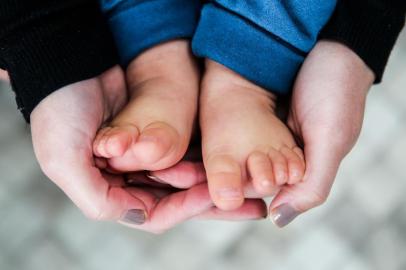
(322, 164)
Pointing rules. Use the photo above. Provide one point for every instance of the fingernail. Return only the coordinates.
(134, 216)
(283, 215)
(154, 178)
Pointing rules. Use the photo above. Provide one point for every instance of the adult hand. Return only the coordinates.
(63, 127)
(326, 116)
(3, 75)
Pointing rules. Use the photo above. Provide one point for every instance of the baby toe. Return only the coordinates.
(260, 169)
(295, 165)
(225, 182)
(279, 166)
(100, 142)
(119, 140)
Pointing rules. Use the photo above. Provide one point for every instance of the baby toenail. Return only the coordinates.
(229, 194)
(295, 174)
(281, 176)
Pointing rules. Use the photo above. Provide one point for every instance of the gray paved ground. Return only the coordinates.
(361, 227)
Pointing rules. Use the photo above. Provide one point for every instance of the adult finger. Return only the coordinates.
(321, 169)
(166, 212)
(62, 143)
(99, 196)
(186, 174)
(4, 75)
(252, 209)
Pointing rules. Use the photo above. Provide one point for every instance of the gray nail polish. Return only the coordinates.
(134, 216)
(283, 215)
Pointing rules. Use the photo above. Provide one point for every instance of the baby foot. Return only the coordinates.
(153, 131)
(243, 139)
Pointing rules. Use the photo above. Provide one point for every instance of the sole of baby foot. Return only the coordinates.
(242, 138)
(153, 130)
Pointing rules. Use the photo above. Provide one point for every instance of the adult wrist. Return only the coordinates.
(369, 28)
(348, 57)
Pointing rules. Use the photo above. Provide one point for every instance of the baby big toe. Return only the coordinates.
(156, 143)
(225, 183)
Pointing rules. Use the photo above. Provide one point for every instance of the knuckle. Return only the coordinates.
(51, 167)
(95, 215)
(157, 231)
(96, 212)
(318, 198)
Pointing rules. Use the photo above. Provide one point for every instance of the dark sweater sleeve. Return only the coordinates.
(369, 27)
(48, 44)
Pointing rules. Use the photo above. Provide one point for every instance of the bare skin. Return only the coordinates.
(153, 130)
(332, 78)
(73, 114)
(242, 139)
(3, 75)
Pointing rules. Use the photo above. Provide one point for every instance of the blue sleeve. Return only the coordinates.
(264, 41)
(140, 24)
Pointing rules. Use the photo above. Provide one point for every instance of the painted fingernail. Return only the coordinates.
(283, 215)
(134, 216)
(154, 178)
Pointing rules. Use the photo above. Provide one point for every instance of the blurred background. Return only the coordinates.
(361, 227)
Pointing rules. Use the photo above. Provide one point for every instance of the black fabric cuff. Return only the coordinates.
(369, 27)
(51, 48)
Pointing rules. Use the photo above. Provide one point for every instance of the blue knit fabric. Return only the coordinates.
(264, 41)
(297, 22)
(140, 24)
